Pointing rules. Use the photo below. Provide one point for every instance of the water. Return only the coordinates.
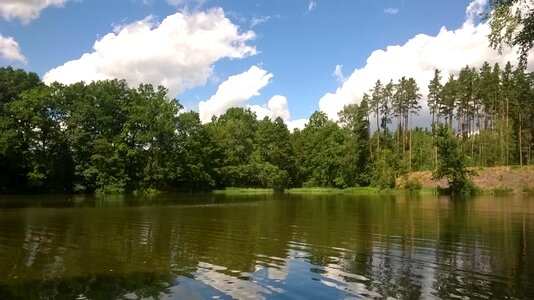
(259, 246)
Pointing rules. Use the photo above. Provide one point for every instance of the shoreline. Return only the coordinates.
(370, 191)
(499, 180)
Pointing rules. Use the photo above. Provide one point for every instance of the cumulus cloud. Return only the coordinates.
(26, 10)
(449, 51)
(391, 11)
(296, 124)
(276, 107)
(178, 53)
(238, 89)
(233, 92)
(10, 50)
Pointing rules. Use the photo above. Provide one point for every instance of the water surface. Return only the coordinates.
(266, 246)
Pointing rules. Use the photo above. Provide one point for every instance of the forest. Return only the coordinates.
(107, 137)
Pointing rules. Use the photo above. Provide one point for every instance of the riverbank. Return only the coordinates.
(492, 180)
(501, 180)
(232, 190)
(320, 190)
(359, 191)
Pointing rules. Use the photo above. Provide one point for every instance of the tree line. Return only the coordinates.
(107, 137)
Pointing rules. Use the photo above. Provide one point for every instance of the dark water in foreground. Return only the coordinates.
(303, 247)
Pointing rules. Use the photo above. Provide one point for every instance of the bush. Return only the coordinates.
(452, 163)
(413, 184)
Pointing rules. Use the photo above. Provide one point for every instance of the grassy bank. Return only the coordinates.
(320, 190)
(361, 191)
(244, 191)
(426, 189)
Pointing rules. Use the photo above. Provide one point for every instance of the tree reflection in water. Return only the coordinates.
(267, 247)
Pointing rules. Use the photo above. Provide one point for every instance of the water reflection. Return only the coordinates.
(253, 247)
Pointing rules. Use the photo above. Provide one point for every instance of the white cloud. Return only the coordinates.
(26, 10)
(234, 91)
(238, 89)
(10, 50)
(276, 107)
(297, 124)
(449, 51)
(178, 53)
(338, 74)
(474, 9)
(391, 11)
(257, 20)
(312, 5)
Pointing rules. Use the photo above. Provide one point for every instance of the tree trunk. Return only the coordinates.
(410, 145)
(404, 136)
(529, 153)
(472, 146)
(520, 142)
(369, 138)
(399, 131)
(506, 132)
(377, 130)
(435, 151)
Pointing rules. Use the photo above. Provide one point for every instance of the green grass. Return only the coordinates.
(361, 191)
(501, 191)
(312, 190)
(110, 200)
(508, 191)
(427, 191)
(369, 191)
(146, 192)
(244, 191)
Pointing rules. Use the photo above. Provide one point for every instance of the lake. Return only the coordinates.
(266, 246)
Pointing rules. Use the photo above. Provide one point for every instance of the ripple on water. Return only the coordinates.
(321, 248)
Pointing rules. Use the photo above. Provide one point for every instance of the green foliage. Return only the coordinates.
(13, 145)
(243, 191)
(385, 169)
(501, 191)
(512, 24)
(14, 82)
(451, 163)
(413, 184)
(355, 160)
(527, 190)
(422, 150)
(149, 192)
(107, 137)
(320, 148)
(196, 158)
(111, 187)
(274, 150)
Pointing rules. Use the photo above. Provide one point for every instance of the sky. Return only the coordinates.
(280, 58)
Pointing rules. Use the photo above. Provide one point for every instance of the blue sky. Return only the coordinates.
(246, 53)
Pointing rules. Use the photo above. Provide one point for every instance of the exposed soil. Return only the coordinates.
(516, 178)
